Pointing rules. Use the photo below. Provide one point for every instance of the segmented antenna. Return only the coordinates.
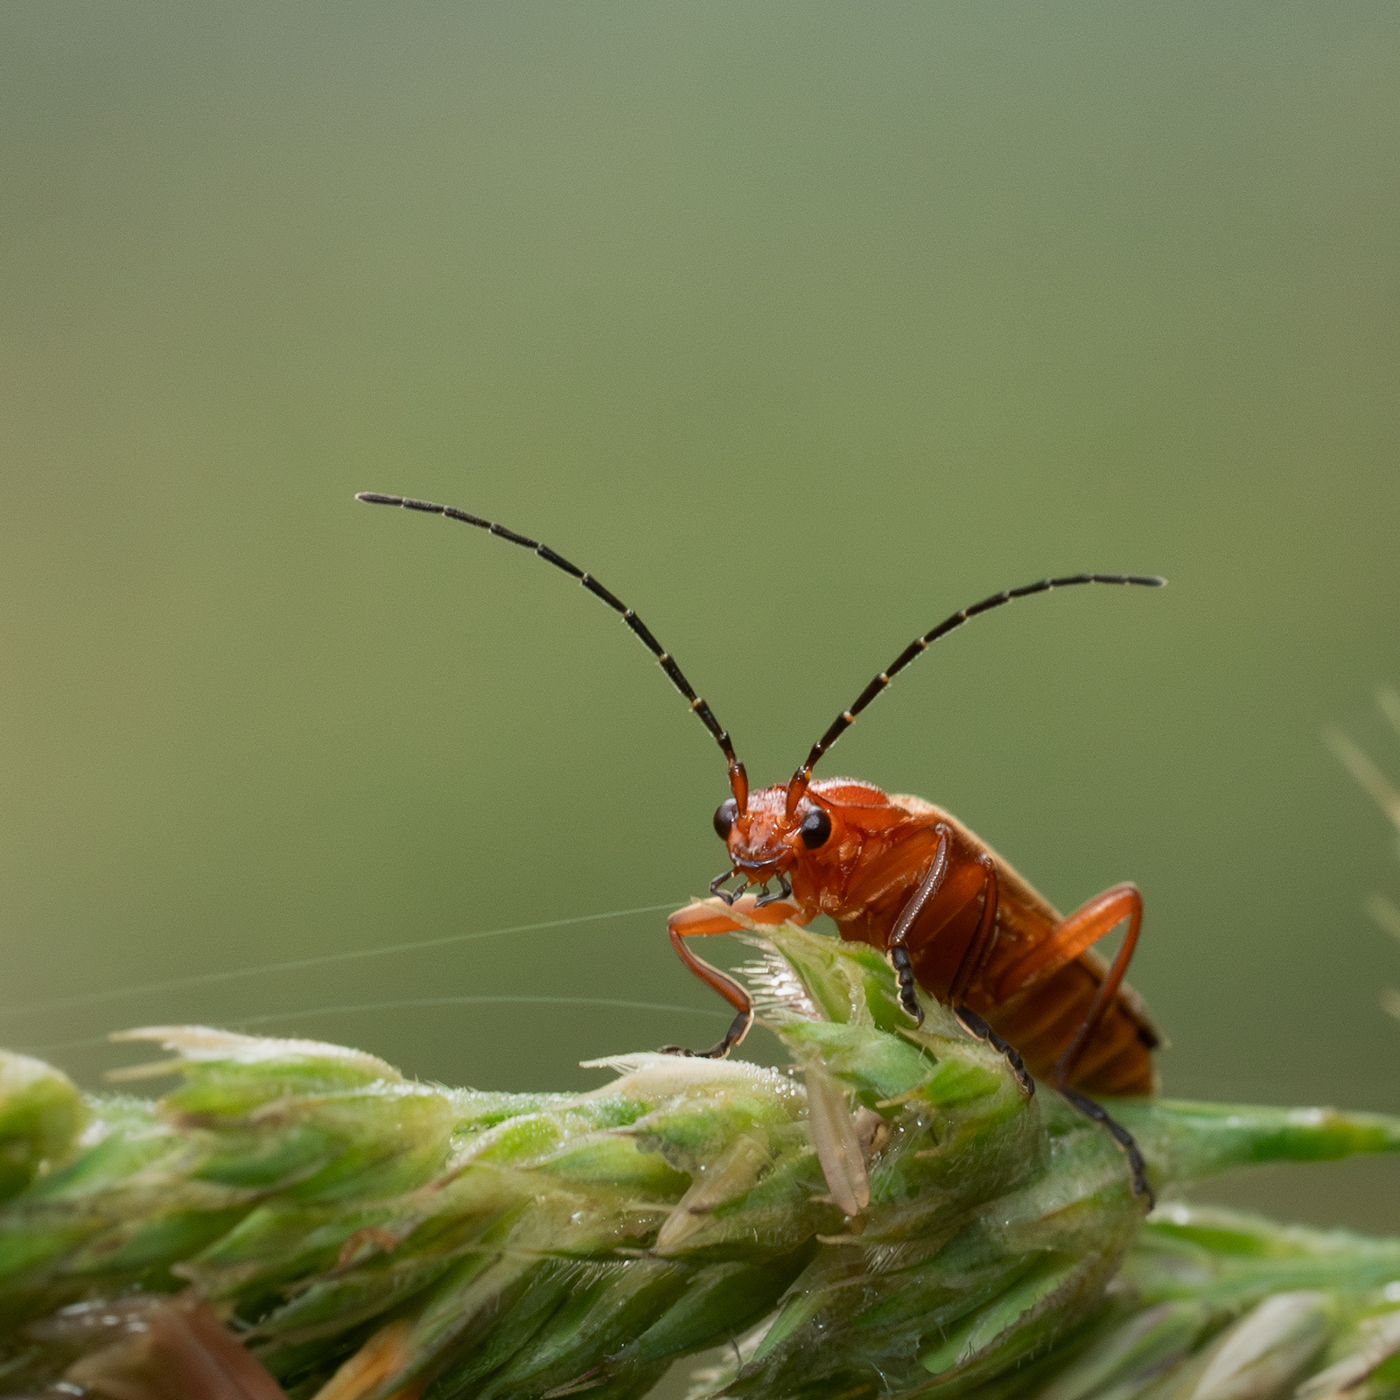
(798, 785)
(738, 780)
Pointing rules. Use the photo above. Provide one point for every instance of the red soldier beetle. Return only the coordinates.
(908, 878)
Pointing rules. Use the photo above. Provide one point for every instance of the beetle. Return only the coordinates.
(894, 871)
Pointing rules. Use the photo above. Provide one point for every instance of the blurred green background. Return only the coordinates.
(800, 325)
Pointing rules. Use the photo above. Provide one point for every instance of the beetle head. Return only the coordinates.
(767, 840)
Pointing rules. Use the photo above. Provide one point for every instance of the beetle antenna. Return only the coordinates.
(798, 785)
(738, 779)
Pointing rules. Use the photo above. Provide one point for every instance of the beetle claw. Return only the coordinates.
(728, 896)
(784, 892)
(715, 1052)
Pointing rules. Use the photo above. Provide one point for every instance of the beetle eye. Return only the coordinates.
(724, 817)
(815, 828)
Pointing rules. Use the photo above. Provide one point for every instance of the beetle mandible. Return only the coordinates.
(898, 873)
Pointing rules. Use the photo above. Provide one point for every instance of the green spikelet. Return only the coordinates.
(892, 1215)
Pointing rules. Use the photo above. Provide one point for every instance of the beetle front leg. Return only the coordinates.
(704, 919)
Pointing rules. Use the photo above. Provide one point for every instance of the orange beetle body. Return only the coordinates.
(1033, 991)
(898, 873)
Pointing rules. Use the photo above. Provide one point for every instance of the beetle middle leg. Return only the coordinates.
(1097, 1113)
(975, 1026)
(973, 960)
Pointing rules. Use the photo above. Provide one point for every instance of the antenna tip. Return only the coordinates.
(373, 498)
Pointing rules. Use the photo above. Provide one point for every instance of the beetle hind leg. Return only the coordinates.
(974, 1025)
